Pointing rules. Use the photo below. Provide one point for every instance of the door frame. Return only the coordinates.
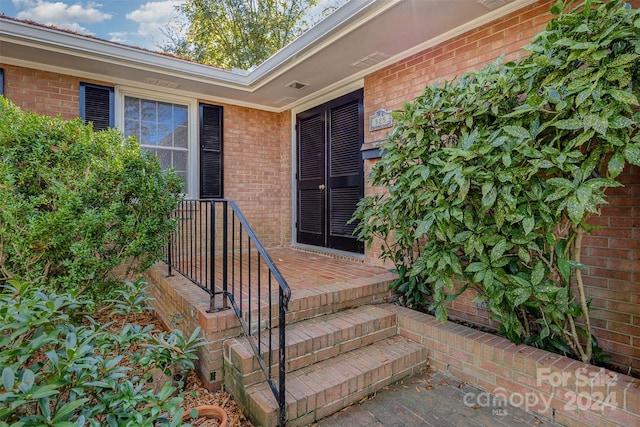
(326, 98)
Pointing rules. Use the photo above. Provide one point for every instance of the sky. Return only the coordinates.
(129, 22)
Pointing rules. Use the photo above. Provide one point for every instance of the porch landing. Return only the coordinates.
(307, 273)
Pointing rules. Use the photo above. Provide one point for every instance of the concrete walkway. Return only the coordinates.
(432, 399)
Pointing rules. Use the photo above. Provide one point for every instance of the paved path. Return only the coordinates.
(431, 399)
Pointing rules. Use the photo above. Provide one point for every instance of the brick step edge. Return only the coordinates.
(317, 391)
(313, 340)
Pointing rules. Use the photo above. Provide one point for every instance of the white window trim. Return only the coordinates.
(193, 182)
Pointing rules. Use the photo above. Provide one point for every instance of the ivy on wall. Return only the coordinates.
(492, 178)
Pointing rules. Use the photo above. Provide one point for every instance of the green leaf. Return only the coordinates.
(8, 379)
(537, 274)
(632, 154)
(565, 269)
(621, 122)
(506, 159)
(624, 96)
(44, 391)
(498, 250)
(582, 138)
(519, 295)
(527, 224)
(556, 9)
(464, 189)
(575, 209)
(625, 58)
(489, 194)
(569, 124)
(67, 410)
(28, 380)
(583, 193)
(561, 182)
(596, 122)
(475, 267)
(616, 164)
(523, 254)
(517, 132)
(582, 97)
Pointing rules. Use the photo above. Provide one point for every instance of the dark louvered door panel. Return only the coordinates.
(330, 174)
(311, 179)
(211, 172)
(345, 177)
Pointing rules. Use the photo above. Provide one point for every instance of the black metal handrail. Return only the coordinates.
(215, 248)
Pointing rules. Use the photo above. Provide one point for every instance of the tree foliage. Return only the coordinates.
(237, 33)
(76, 204)
(492, 178)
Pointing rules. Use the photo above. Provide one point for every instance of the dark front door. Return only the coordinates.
(330, 172)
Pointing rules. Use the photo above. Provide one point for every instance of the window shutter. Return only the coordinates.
(96, 105)
(210, 151)
(1, 81)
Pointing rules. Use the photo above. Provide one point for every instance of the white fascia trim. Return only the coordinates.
(84, 46)
(108, 79)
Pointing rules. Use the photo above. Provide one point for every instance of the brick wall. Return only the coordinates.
(566, 391)
(41, 91)
(612, 254)
(257, 173)
(612, 278)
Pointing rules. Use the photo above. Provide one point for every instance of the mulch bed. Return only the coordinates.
(195, 393)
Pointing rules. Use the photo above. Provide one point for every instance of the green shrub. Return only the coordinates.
(491, 178)
(76, 204)
(59, 371)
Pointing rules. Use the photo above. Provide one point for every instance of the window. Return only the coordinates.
(96, 105)
(1, 81)
(162, 128)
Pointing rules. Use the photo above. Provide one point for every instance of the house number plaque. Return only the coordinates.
(380, 120)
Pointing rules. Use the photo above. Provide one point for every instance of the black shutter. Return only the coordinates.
(96, 105)
(1, 81)
(210, 151)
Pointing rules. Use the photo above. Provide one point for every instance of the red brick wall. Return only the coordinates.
(612, 278)
(563, 390)
(612, 254)
(257, 175)
(41, 91)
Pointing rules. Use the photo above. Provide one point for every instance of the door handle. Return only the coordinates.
(321, 187)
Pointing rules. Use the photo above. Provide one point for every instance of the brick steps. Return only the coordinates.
(319, 390)
(312, 341)
(333, 361)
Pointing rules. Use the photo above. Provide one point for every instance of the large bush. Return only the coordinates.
(76, 204)
(491, 178)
